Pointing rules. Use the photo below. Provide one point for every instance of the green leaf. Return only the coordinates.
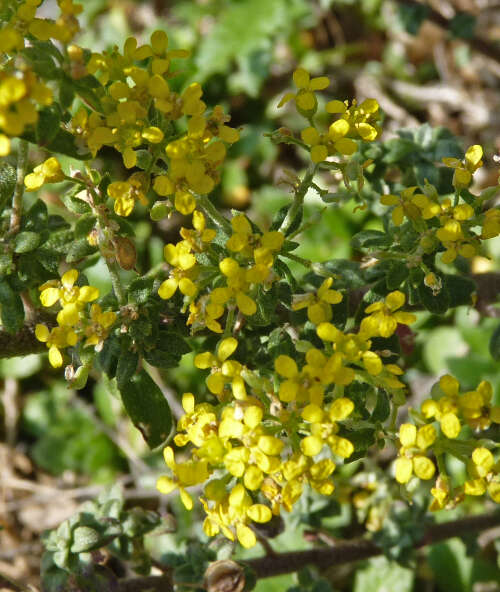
(41, 61)
(382, 408)
(495, 344)
(397, 274)
(460, 290)
(79, 250)
(85, 87)
(397, 150)
(36, 217)
(412, 16)
(108, 356)
(59, 241)
(381, 575)
(26, 241)
(127, 365)
(8, 178)
(435, 303)
(168, 350)
(451, 566)
(140, 290)
(84, 225)
(66, 93)
(367, 239)
(63, 143)
(12, 313)
(463, 25)
(47, 126)
(147, 408)
(349, 275)
(85, 539)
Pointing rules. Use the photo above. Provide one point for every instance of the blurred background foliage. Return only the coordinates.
(433, 63)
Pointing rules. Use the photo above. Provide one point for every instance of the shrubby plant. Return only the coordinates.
(305, 373)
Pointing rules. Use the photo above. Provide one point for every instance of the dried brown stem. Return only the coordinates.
(282, 563)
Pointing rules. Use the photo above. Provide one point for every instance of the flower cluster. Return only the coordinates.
(73, 322)
(355, 122)
(442, 224)
(133, 84)
(21, 91)
(238, 276)
(267, 437)
(248, 444)
(442, 421)
(20, 95)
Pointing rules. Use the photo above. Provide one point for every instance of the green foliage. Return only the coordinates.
(100, 524)
(147, 407)
(62, 433)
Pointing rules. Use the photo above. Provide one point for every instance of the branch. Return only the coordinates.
(282, 563)
(24, 342)
(147, 584)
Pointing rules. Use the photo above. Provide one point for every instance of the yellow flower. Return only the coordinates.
(56, 339)
(238, 285)
(383, 318)
(466, 168)
(126, 193)
(410, 205)
(477, 409)
(48, 172)
(235, 509)
(323, 428)
(185, 474)
(412, 457)
(318, 303)
(200, 236)
(223, 370)
(262, 247)
(183, 262)
(98, 328)
(491, 223)
(323, 145)
(72, 298)
(305, 98)
(358, 120)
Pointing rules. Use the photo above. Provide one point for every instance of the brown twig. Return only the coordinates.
(282, 563)
(147, 584)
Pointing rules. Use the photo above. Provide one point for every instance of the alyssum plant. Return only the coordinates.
(302, 373)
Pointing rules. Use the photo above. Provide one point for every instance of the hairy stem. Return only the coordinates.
(116, 282)
(298, 201)
(17, 199)
(211, 212)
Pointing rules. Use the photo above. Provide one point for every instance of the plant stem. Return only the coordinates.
(298, 201)
(298, 259)
(211, 212)
(116, 282)
(354, 550)
(228, 330)
(17, 199)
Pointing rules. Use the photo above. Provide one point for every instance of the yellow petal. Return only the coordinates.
(226, 348)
